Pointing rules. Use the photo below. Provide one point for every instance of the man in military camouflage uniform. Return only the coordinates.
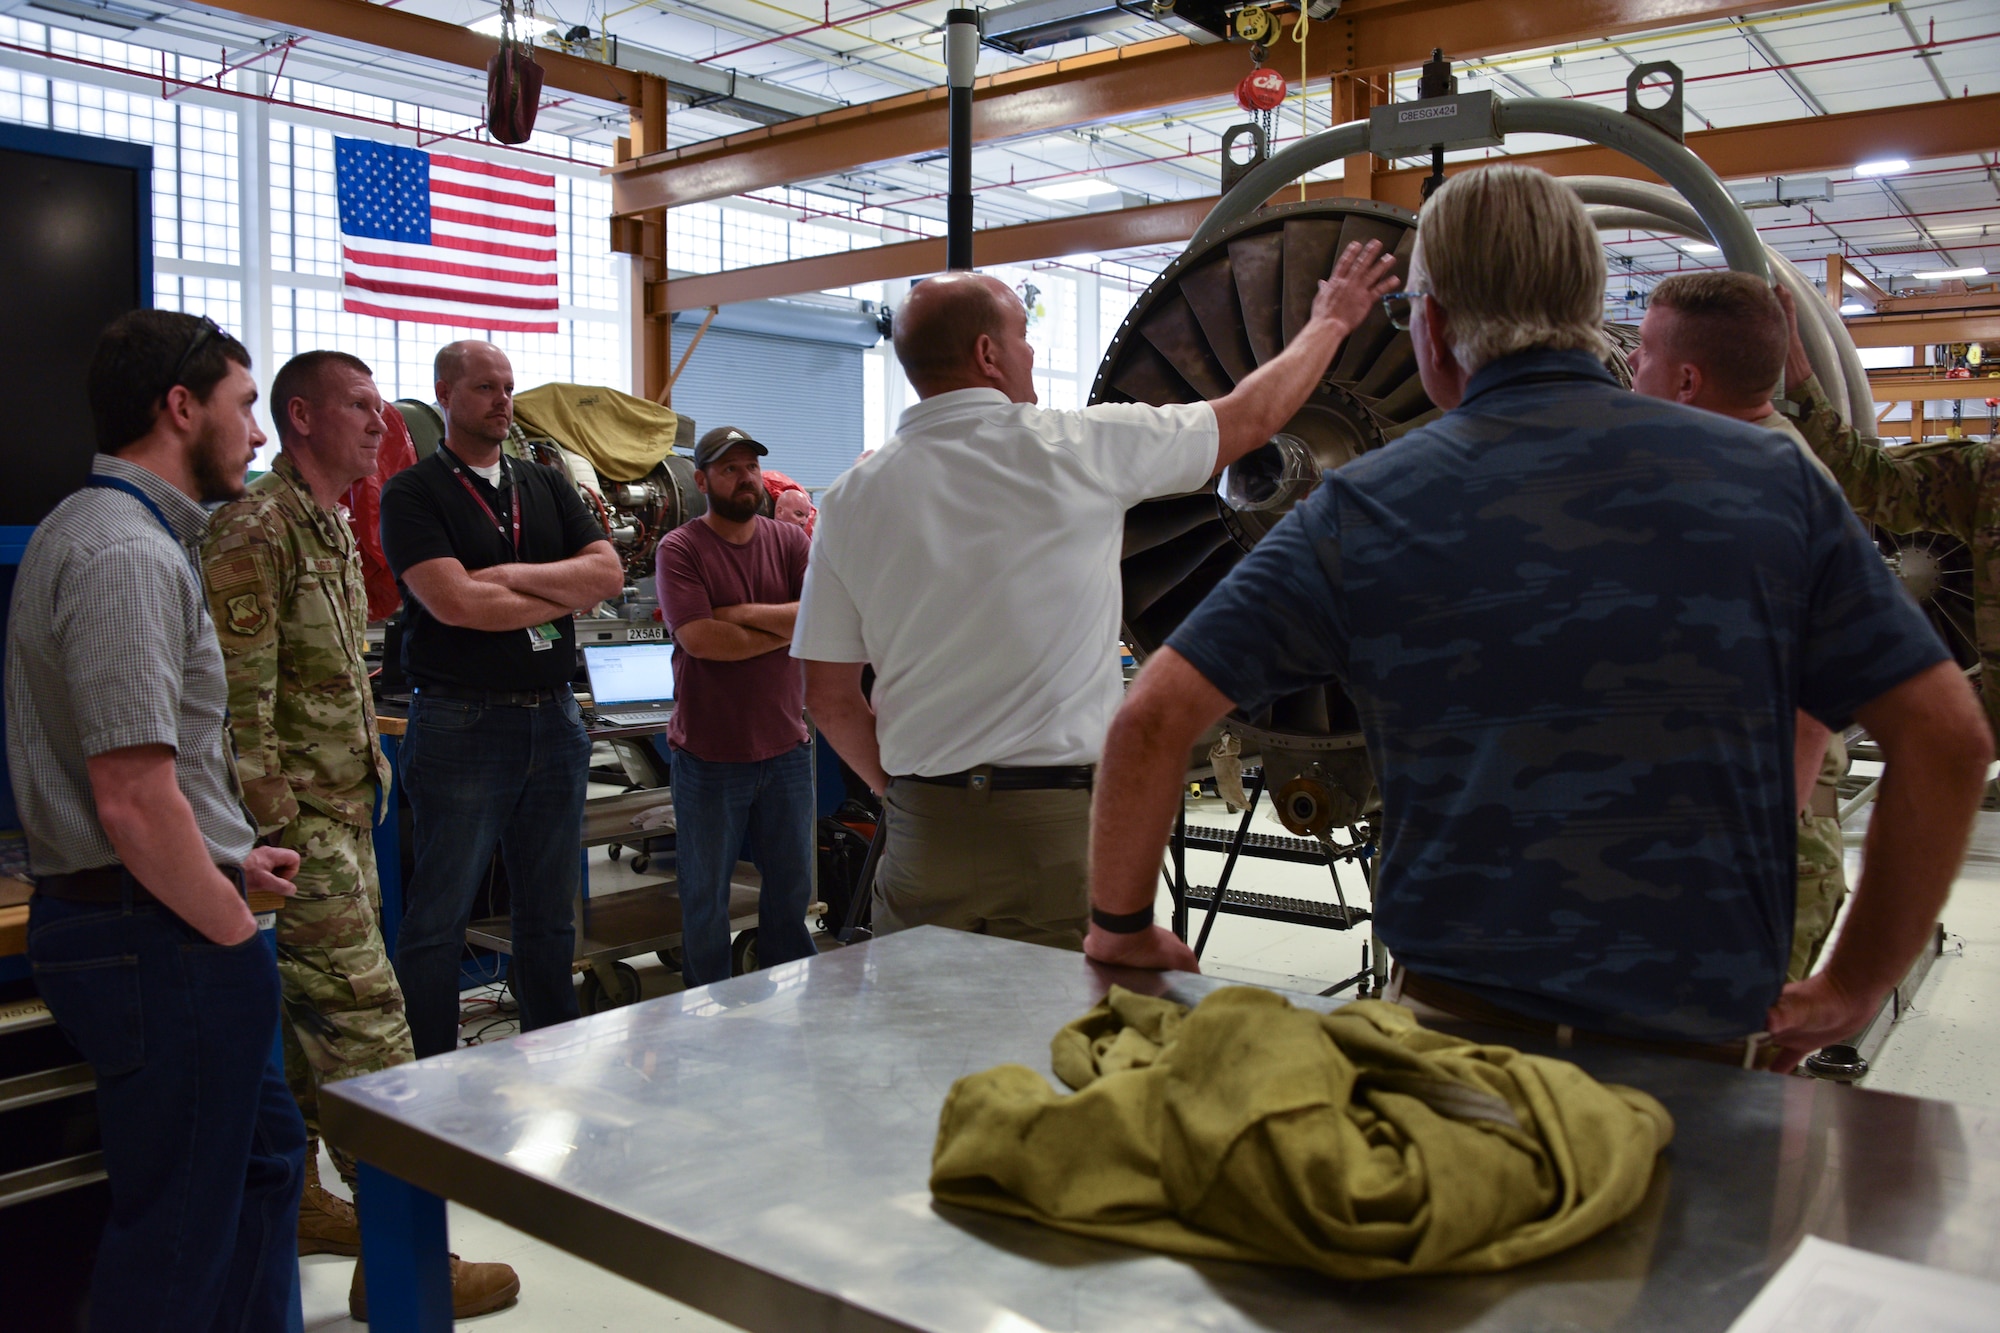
(1717, 341)
(289, 600)
(1952, 487)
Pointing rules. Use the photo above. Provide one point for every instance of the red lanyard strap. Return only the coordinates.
(513, 504)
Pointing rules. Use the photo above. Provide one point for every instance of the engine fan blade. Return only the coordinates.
(1305, 712)
(1407, 401)
(1258, 265)
(1158, 521)
(1150, 628)
(1144, 376)
(1366, 342)
(1151, 575)
(1394, 364)
(1210, 290)
(1174, 332)
(1310, 247)
(1402, 428)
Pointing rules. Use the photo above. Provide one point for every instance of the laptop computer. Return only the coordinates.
(631, 684)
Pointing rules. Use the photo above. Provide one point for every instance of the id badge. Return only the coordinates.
(541, 638)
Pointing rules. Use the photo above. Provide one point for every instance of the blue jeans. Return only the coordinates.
(479, 777)
(202, 1140)
(715, 806)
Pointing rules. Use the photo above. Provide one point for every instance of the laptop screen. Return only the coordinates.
(630, 673)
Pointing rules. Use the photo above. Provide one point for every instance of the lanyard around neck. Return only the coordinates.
(458, 470)
(159, 515)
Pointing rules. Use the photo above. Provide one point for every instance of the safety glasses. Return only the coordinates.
(209, 329)
(1401, 307)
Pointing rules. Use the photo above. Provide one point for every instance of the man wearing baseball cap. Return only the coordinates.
(729, 587)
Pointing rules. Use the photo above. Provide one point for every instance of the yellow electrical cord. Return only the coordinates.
(1305, 79)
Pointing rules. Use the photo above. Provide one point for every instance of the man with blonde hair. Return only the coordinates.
(1576, 623)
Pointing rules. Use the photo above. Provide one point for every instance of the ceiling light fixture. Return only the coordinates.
(1888, 166)
(531, 28)
(1085, 260)
(1701, 248)
(1853, 279)
(1854, 308)
(1086, 188)
(1939, 274)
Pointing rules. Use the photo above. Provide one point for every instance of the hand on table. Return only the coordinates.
(1155, 947)
(1813, 1013)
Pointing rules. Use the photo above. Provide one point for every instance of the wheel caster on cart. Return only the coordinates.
(594, 998)
(512, 1003)
(615, 850)
(670, 958)
(640, 862)
(743, 953)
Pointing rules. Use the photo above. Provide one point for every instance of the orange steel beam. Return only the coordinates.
(1103, 85)
(1957, 128)
(1931, 129)
(1155, 224)
(1923, 331)
(447, 43)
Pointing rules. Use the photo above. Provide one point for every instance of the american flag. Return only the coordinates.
(436, 239)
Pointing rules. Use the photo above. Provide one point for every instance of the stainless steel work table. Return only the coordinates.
(759, 1149)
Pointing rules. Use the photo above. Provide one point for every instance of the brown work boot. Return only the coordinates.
(476, 1289)
(327, 1224)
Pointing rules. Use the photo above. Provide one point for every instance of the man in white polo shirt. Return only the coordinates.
(973, 560)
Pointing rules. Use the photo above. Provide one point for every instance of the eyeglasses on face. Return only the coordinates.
(209, 329)
(1401, 307)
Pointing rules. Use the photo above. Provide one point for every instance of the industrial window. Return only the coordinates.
(199, 215)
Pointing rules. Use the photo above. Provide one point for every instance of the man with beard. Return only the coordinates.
(729, 587)
(142, 941)
(290, 604)
(493, 555)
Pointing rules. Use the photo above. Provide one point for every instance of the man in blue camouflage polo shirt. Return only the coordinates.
(1577, 623)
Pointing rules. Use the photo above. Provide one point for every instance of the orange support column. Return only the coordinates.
(1354, 96)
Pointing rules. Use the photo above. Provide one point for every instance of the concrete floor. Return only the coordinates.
(1942, 1049)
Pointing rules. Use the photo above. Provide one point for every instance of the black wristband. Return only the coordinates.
(1122, 923)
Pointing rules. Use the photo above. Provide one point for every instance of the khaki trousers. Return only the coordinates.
(1008, 863)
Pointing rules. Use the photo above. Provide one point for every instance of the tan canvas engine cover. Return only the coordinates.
(623, 437)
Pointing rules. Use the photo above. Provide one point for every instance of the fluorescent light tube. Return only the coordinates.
(530, 28)
(1086, 188)
(1888, 166)
(1854, 308)
(1853, 279)
(1938, 274)
(1700, 248)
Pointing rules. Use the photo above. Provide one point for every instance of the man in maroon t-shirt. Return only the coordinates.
(729, 586)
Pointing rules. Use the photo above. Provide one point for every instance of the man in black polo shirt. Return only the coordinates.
(493, 555)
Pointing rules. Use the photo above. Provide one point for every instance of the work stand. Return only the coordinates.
(1336, 915)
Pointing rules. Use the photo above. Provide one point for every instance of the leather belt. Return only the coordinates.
(1751, 1052)
(504, 698)
(991, 777)
(106, 885)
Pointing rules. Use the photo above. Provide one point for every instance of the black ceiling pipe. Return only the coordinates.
(961, 55)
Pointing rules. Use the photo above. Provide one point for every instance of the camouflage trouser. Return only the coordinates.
(1821, 887)
(341, 995)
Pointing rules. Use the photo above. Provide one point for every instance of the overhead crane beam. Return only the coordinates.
(1104, 85)
(431, 39)
(1961, 127)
